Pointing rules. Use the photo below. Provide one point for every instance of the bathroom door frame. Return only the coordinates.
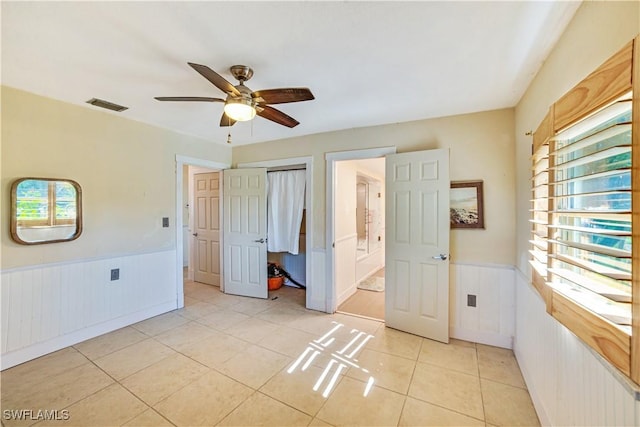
(331, 159)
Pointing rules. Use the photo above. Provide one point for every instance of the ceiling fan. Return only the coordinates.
(241, 103)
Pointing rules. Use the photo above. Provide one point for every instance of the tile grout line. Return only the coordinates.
(115, 381)
(413, 373)
(484, 412)
(436, 404)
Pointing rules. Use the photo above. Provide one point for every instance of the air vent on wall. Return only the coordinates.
(106, 104)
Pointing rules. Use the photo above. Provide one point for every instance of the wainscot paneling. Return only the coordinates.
(492, 320)
(48, 307)
(345, 266)
(369, 264)
(568, 382)
(317, 292)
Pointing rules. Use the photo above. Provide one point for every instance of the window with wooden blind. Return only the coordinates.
(584, 218)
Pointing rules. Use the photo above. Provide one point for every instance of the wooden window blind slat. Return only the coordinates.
(593, 285)
(605, 250)
(604, 232)
(593, 267)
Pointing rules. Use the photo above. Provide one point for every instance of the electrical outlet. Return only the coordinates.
(115, 274)
(165, 222)
(471, 300)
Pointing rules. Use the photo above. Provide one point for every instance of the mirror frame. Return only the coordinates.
(14, 211)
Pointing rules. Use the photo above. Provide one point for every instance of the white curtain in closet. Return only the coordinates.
(285, 201)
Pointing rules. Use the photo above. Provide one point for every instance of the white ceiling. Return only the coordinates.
(367, 63)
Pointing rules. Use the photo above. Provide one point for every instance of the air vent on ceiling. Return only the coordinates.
(106, 104)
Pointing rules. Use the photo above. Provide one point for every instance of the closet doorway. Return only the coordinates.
(360, 236)
(297, 265)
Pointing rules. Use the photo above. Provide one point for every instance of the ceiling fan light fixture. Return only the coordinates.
(240, 110)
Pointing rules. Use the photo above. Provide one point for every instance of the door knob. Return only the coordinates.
(195, 234)
(441, 257)
(259, 241)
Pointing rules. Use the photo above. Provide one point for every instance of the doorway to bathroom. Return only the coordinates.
(360, 236)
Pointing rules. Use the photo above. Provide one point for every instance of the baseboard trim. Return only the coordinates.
(36, 350)
(369, 274)
(487, 338)
(535, 397)
(347, 293)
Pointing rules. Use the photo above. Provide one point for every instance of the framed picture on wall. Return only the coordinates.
(466, 204)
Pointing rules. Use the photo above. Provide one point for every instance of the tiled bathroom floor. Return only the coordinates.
(226, 360)
(365, 303)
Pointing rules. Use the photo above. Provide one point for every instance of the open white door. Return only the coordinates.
(417, 246)
(245, 232)
(206, 188)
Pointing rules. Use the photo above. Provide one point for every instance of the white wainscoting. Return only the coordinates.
(568, 383)
(49, 307)
(186, 235)
(345, 266)
(368, 265)
(492, 321)
(317, 292)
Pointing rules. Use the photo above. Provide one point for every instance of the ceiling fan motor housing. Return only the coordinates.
(242, 73)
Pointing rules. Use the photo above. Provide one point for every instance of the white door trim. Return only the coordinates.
(180, 162)
(331, 158)
(293, 161)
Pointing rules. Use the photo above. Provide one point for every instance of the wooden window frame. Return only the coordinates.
(615, 77)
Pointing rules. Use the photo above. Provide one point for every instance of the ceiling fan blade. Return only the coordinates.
(284, 95)
(215, 78)
(276, 116)
(188, 98)
(226, 120)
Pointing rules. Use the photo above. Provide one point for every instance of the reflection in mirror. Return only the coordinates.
(45, 210)
(361, 216)
(367, 214)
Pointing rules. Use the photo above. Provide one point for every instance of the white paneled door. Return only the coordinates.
(245, 232)
(207, 228)
(417, 243)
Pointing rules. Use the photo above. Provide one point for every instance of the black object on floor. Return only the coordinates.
(275, 270)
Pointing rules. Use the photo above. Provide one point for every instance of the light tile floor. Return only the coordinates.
(226, 360)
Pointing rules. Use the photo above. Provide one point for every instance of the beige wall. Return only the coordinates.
(126, 170)
(482, 147)
(597, 31)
